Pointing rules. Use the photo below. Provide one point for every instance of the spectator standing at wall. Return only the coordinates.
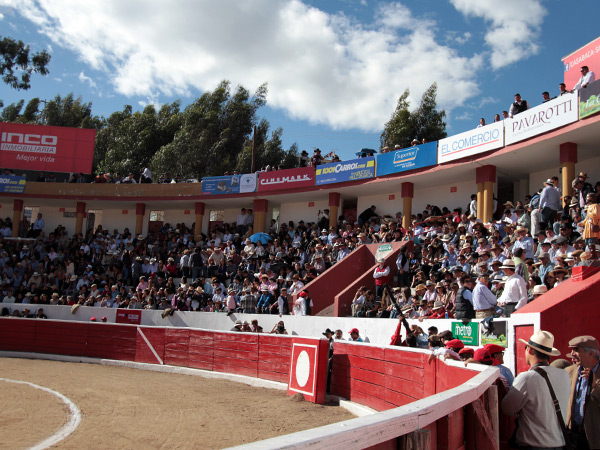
(587, 77)
(549, 203)
(515, 294)
(381, 274)
(518, 106)
(464, 299)
(366, 215)
(38, 226)
(562, 87)
(146, 176)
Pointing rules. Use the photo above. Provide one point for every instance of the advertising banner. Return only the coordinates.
(131, 316)
(548, 116)
(471, 142)
(230, 184)
(468, 333)
(286, 179)
(407, 159)
(49, 149)
(12, 184)
(589, 100)
(355, 169)
(588, 55)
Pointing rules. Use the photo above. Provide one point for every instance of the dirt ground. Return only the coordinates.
(131, 408)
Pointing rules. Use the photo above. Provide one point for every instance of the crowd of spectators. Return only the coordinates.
(459, 267)
(462, 268)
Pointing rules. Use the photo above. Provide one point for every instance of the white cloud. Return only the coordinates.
(323, 68)
(1, 16)
(515, 25)
(85, 79)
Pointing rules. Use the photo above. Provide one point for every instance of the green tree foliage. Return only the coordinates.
(214, 130)
(129, 140)
(268, 151)
(425, 122)
(69, 112)
(12, 112)
(17, 63)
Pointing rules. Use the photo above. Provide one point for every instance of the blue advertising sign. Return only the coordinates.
(423, 155)
(338, 172)
(12, 184)
(232, 184)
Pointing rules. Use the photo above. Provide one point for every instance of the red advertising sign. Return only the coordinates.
(50, 149)
(131, 316)
(286, 179)
(308, 369)
(588, 55)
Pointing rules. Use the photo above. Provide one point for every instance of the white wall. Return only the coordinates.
(591, 166)
(436, 195)
(301, 211)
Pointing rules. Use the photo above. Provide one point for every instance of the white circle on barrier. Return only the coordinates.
(302, 368)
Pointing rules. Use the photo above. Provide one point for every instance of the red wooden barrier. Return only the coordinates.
(201, 350)
(150, 345)
(236, 353)
(274, 357)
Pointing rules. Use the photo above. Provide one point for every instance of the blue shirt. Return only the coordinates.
(580, 395)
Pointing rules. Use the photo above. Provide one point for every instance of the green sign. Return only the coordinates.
(383, 250)
(468, 333)
(589, 100)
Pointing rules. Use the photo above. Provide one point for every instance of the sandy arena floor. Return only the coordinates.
(130, 408)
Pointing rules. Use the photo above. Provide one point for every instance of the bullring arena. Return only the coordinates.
(118, 407)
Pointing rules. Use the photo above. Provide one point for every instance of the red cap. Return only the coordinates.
(354, 330)
(482, 355)
(92, 319)
(455, 343)
(494, 348)
(302, 294)
(104, 319)
(465, 350)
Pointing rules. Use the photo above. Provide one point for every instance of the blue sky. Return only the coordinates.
(335, 68)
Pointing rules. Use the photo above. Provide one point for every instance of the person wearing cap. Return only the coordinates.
(530, 398)
(449, 350)
(466, 353)
(497, 354)
(514, 295)
(484, 302)
(583, 413)
(355, 335)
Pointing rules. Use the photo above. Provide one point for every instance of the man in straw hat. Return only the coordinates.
(531, 400)
(583, 417)
(514, 295)
(549, 203)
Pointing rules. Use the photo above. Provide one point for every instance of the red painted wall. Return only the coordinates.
(568, 310)
(379, 377)
(385, 378)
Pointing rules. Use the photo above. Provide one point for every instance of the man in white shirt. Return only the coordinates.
(514, 295)
(530, 397)
(587, 77)
(484, 302)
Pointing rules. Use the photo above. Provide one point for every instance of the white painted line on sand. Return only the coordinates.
(67, 429)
